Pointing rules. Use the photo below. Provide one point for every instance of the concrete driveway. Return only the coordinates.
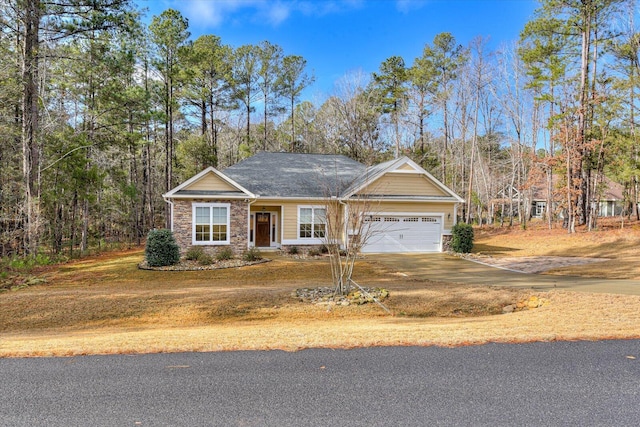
(447, 268)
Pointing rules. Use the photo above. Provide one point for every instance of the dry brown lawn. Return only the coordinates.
(105, 305)
(616, 241)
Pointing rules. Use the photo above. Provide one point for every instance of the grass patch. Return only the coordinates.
(618, 241)
(105, 304)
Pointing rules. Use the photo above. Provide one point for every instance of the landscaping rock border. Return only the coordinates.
(530, 303)
(186, 265)
(325, 295)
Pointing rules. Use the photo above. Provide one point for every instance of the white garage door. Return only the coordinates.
(404, 234)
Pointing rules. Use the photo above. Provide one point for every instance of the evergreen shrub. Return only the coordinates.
(462, 238)
(161, 249)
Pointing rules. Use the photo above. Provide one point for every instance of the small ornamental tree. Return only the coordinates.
(161, 249)
(352, 226)
(342, 259)
(462, 238)
(344, 228)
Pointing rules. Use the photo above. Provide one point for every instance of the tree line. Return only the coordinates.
(101, 114)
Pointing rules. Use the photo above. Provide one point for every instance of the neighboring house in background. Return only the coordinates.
(610, 199)
(277, 200)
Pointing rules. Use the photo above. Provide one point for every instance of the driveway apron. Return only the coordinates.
(442, 267)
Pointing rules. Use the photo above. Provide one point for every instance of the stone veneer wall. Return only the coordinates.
(446, 242)
(183, 227)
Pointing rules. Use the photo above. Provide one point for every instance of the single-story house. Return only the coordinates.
(608, 202)
(278, 200)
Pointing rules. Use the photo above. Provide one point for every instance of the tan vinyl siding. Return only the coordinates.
(211, 182)
(419, 208)
(406, 167)
(404, 184)
(290, 216)
(290, 219)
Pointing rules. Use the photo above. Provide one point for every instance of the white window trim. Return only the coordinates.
(310, 240)
(193, 223)
(274, 224)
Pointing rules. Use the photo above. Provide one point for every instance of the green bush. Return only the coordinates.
(29, 262)
(462, 238)
(224, 254)
(293, 250)
(161, 248)
(194, 253)
(252, 254)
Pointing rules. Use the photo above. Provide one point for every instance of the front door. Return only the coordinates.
(263, 225)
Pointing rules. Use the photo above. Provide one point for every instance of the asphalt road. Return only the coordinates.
(558, 383)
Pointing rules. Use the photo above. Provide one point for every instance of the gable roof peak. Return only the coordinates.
(210, 170)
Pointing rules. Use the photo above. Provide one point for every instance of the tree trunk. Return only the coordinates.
(471, 156)
(214, 132)
(30, 116)
(167, 160)
(446, 144)
(84, 242)
(293, 126)
(582, 200)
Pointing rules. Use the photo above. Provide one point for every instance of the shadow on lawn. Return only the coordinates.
(619, 248)
(493, 250)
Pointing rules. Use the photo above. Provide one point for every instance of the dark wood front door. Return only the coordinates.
(263, 225)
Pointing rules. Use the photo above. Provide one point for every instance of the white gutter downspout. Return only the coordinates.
(346, 223)
(455, 213)
(171, 210)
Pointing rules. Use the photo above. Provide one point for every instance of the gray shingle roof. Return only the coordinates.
(217, 193)
(295, 175)
(369, 174)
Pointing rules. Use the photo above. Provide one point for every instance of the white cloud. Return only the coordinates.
(326, 7)
(209, 12)
(406, 6)
(212, 13)
(276, 12)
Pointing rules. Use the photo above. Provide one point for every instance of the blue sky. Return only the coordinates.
(340, 36)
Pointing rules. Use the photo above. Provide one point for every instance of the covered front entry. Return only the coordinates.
(395, 233)
(264, 231)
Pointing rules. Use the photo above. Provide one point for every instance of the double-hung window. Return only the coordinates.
(211, 223)
(312, 222)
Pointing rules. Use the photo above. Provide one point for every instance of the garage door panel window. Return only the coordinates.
(211, 223)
